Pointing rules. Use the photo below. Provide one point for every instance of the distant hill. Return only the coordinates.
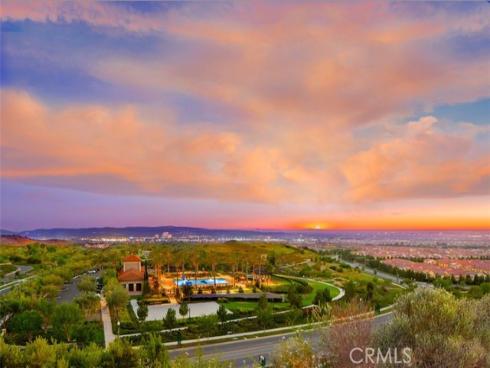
(20, 241)
(137, 231)
(15, 240)
(7, 232)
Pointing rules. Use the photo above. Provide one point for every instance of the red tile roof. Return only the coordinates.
(132, 258)
(131, 275)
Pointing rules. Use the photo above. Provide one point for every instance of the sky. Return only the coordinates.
(273, 115)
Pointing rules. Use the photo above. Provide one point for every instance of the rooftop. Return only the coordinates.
(132, 258)
(131, 275)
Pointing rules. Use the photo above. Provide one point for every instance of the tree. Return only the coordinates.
(263, 302)
(369, 290)
(207, 325)
(89, 303)
(350, 289)
(66, 318)
(117, 297)
(475, 292)
(340, 338)
(187, 291)
(142, 311)
(264, 312)
(26, 325)
(153, 352)
(195, 258)
(40, 354)
(169, 320)
(183, 309)
(146, 288)
(122, 354)
(50, 291)
(485, 287)
(87, 284)
(322, 297)
(439, 328)
(11, 355)
(294, 298)
(295, 352)
(222, 313)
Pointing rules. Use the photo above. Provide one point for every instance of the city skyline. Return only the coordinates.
(269, 115)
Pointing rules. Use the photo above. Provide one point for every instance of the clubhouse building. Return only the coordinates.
(132, 275)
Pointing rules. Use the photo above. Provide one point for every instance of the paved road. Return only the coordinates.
(243, 353)
(380, 274)
(383, 275)
(69, 292)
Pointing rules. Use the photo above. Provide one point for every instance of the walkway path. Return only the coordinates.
(5, 288)
(21, 269)
(106, 321)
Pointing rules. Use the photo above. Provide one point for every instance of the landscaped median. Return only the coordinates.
(288, 330)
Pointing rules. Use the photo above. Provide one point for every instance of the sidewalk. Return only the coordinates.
(106, 321)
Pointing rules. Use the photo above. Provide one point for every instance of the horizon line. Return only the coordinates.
(278, 229)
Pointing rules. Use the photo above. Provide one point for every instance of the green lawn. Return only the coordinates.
(308, 298)
(250, 306)
(316, 285)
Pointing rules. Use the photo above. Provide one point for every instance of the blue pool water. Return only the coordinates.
(201, 282)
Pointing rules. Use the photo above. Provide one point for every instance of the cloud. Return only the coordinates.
(106, 150)
(421, 161)
(97, 149)
(315, 94)
(93, 12)
(325, 64)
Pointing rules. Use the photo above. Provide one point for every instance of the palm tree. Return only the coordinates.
(196, 257)
(181, 258)
(169, 257)
(156, 258)
(215, 259)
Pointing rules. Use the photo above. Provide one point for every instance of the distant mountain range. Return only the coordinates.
(458, 238)
(135, 232)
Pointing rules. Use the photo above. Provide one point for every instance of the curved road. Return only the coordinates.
(383, 275)
(245, 353)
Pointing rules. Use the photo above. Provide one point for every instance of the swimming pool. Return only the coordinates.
(201, 282)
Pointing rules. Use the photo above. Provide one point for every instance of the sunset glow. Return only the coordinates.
(292, 115)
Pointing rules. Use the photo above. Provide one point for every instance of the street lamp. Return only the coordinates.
(118, 326)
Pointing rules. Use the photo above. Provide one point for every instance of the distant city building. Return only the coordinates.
(166, 235)
(132, 276)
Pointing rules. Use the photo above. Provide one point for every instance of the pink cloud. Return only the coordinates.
(328, 64)
(68, 145)
(98, 149)
(421, 161)
(315, 82)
